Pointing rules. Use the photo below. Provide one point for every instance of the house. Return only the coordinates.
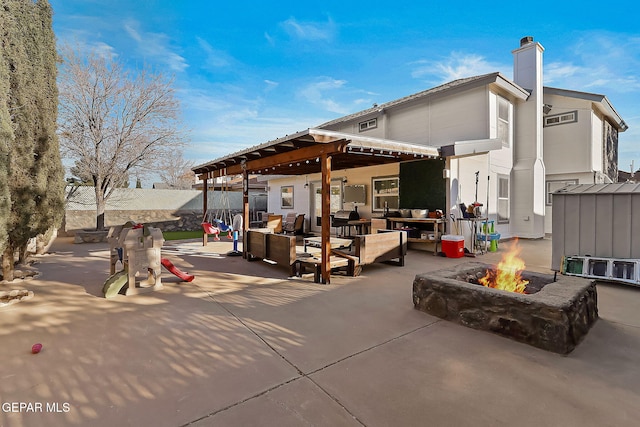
(624, 176)
(505, 144)
(580, 141)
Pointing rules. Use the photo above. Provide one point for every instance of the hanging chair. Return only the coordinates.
(208, 228)
(218, 224)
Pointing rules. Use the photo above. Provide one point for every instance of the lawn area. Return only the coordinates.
(181, 235)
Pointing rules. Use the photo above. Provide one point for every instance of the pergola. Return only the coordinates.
(306, 152)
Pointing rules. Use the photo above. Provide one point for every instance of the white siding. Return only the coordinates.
(410, 124)
(461, 117)
(567, 147)
(437, 121)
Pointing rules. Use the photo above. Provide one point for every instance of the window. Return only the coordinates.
(504, 121)
(286, 197)
(386, 193)
(503, 199)
(553, 186)
(368, 124)
(561, 119)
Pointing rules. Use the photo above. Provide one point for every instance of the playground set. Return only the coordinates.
(136, 248)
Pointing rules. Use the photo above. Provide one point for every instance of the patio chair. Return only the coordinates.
(296, 226)
(287, 223)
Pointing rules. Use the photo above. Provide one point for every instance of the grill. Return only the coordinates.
(341, 219)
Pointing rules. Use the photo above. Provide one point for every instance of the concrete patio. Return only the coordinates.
(245, 345)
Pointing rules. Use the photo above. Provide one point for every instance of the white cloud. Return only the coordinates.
(601, 62)
(456, 66)
(313, 31)
(214, 58)
(155, 46)
(556, 71)
(269, 39)
(316, 93)
(270, 85)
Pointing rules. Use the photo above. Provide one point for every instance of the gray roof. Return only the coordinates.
(615, 188)
(602, 100)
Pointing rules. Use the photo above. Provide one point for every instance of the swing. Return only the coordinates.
(218, 224)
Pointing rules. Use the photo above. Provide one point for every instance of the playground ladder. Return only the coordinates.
(622, 270)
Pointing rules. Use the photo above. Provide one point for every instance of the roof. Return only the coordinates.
(601, 101)
(615, 188)
(456, 85)
(277, 157)
(355, 151)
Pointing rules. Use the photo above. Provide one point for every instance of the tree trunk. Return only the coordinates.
(100, 207)
(23, 254)
(7, 263)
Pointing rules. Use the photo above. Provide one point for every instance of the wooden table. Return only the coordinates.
(314, 264)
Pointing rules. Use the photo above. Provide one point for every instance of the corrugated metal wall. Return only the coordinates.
(601, 220)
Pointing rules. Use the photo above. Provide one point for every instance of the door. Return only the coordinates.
(316, 202)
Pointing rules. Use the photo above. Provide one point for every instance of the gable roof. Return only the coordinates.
(601, 102)
(446, 88)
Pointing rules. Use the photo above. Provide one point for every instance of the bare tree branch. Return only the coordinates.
(115, 122)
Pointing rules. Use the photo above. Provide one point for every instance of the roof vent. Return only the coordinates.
(526, 40)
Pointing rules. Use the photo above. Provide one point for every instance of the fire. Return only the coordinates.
(507, 275)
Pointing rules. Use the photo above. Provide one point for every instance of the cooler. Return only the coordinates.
(453, 245)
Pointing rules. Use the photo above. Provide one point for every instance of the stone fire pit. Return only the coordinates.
(555, 318)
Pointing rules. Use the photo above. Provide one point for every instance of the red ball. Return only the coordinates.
(36, 348)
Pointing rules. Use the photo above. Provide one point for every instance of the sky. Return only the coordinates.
(247, 72)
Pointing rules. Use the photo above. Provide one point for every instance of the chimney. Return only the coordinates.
(526, 40)
(528, 173)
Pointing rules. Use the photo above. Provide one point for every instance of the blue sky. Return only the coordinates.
(251, 71)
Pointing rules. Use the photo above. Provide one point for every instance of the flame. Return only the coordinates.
(507, 275)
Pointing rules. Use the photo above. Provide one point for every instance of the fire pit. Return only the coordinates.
(554, 316)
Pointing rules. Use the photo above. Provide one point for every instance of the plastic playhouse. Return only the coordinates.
(137, 249)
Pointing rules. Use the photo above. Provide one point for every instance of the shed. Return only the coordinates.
(598, 220)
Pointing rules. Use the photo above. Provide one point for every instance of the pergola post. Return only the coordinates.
(205, 186)
(245, 208)
(325, 267)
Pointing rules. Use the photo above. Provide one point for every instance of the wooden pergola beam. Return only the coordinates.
(269, 161)
(303, 154)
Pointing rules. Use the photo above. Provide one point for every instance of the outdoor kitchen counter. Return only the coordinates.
(439, 229)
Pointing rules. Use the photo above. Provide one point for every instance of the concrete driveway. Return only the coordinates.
(245, 345)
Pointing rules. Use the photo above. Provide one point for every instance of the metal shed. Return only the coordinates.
(596, 220)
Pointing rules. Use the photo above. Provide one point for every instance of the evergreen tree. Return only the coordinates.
(35, 171)
(6, 141)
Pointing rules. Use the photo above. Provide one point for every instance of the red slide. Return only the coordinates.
(175, 270)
